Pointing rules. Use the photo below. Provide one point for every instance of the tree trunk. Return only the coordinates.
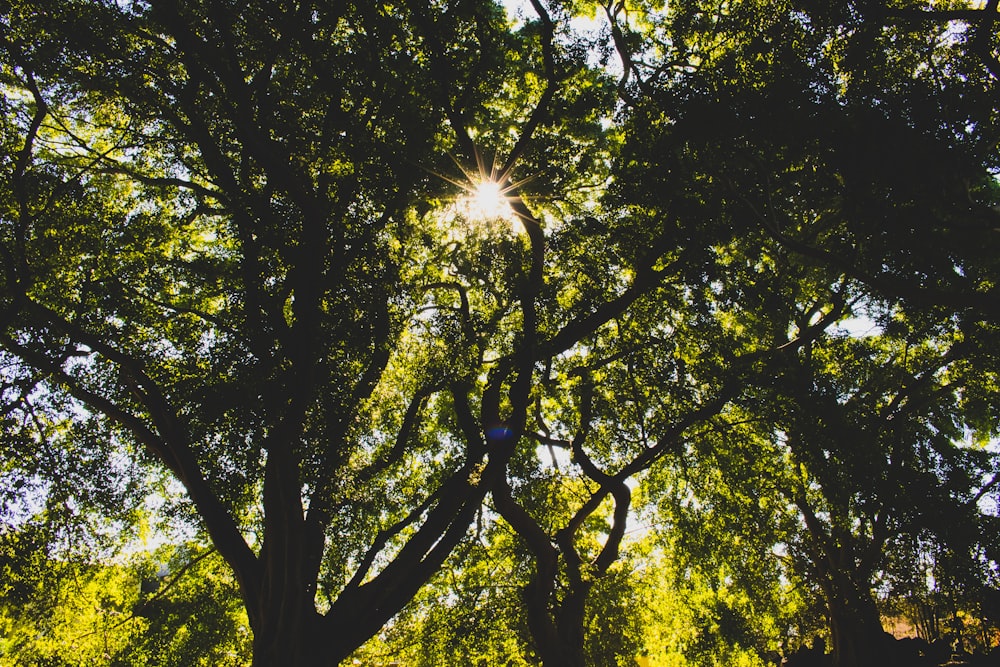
(558, 633)
(298, 643)
(857, 634)
(570, 622)
(307, 640)
(855, 625)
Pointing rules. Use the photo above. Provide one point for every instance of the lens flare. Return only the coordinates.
(486, 200)
(487, 193)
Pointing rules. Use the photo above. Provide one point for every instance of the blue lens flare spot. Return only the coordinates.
(499, 433)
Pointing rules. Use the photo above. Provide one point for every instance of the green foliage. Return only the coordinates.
(469, 614)
(171, 607)
(242, 303)
(696, 614)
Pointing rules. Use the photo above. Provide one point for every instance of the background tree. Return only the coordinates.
(908, 473)
(864, 453)
(766, 117)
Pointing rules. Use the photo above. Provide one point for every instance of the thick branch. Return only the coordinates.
(646, 278)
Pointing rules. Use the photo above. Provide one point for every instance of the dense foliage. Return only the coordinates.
(711, 372)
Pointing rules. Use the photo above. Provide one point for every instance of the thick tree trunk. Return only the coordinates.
(855, 625)
(570, 624)
(307, 639)
(294, 643)
(558, 633)
(857, 634)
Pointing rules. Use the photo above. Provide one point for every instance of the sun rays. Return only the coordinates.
(487, 201)
(487, 193)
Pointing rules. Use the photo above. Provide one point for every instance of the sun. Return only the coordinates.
(486, 199)
(486, 194)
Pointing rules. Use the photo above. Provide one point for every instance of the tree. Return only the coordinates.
(904, 472)
(862, 451)
(778, 118)
(222, 260)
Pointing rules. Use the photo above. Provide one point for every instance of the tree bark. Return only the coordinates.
(295, 640)
(558, 634)
(856, 628)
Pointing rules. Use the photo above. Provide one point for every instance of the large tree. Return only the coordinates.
(856, 137)
(881, 460)
(222, 259)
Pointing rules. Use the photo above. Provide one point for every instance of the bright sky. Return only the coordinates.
(523, 9)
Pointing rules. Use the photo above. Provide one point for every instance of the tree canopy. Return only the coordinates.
(380, 317)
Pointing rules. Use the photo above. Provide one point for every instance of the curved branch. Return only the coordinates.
(608, 484)
(168, 443)
(464, 309)
(183, 310)
(111, 167)
(629, 68)
(646, 278)
(411, 420)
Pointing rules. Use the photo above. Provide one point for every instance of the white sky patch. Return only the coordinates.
(859, 327)
(521, 11)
